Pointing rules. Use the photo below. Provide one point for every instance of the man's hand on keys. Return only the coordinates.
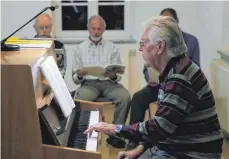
(108, 129)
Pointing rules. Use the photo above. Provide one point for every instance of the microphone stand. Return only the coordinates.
(10, 47)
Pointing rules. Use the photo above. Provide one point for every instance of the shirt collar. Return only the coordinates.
(172, 62)
(101, 42)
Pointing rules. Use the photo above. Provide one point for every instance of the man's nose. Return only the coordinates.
(96, 31)
(44, 29)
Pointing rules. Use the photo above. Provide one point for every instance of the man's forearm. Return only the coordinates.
(139, 149)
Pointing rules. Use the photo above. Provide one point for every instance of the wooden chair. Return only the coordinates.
(106, 106)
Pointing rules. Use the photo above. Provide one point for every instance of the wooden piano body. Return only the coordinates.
(21, 99)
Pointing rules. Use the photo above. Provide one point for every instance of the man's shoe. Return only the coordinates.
(116, 142)
(130, 146)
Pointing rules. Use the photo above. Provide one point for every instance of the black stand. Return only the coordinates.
(9, 47)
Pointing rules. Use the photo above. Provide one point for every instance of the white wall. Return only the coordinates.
(16, 13)
(210, 31)
(208, 21)
(225, 32)
(146, 9)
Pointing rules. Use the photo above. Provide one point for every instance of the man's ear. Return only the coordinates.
(161, 46)
(35, 28)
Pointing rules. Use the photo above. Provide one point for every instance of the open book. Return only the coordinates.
(100, 71)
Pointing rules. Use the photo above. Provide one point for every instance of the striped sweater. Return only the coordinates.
(186, 123)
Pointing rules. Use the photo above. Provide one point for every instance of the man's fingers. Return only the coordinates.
(92, 128)
(121, 155)
(90, 133)
(89, 130)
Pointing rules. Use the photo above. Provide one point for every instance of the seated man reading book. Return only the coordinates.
(97, 52)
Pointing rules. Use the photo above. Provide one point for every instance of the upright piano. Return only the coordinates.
(33, 125)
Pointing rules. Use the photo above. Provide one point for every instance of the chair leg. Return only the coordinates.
(150, 115)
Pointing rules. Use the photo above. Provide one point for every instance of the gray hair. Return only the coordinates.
(97, 16)
(167, 29)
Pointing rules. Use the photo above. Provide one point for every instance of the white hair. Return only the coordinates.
(94, 16)
(167, 29)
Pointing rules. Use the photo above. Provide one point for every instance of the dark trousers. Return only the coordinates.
(140, 102)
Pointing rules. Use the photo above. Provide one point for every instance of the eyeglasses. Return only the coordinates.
(142, 43)
(44, 27)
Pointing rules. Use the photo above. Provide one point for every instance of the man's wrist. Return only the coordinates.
(118, 129)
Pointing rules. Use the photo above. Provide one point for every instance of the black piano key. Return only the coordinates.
(77, 137)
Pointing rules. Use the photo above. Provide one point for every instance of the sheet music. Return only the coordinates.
(35, 69)
(62, 82)
(55, 80)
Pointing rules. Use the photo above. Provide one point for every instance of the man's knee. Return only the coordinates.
(124, 96)
(121, 96)
(137, 95)
(85, 93)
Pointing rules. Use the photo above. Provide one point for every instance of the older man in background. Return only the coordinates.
(97, 51)
(186, 124)
(43, 28)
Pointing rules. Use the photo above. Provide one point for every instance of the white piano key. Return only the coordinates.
(91, 144)
(93, 120)
(92, 141)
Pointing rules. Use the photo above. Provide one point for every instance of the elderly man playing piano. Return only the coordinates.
(97, 51)
(186, 124)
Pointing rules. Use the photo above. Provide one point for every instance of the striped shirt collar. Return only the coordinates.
(172, 62)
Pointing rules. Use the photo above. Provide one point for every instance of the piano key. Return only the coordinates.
(92, 141)
(91, 144)
(94, 118)
(78, 138)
